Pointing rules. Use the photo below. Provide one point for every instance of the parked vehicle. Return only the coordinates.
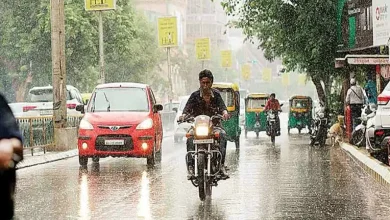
(18, 107)
(121, 120)
(207, 154)
(40, 100)
(182, 128)
(358, 137)
(319, 127)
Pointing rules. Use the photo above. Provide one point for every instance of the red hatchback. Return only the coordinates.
(121, 120)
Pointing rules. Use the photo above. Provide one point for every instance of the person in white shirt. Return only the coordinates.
(356, 98)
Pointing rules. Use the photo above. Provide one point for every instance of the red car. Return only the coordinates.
(121, 120)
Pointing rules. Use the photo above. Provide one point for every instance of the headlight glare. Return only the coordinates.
(202, 131)
(147, 124)
(84, 124)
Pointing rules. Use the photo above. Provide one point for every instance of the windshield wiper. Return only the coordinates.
(109, 106)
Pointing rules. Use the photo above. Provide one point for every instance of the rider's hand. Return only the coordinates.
(8, 147)
(225, 116)
(181, 117)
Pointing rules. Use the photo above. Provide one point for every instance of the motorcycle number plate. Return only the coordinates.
(204, 141)
(272, 120)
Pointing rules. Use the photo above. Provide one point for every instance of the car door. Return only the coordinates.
(157, 121)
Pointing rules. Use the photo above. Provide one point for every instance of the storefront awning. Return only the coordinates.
(362, 59)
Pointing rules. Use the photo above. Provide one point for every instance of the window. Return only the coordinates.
(228, 97)
(300, 103)
(43, 95)
(119, 99)
(256, 103)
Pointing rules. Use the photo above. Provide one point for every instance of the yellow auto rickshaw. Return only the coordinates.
(255, 117)
(300, 115)
(231, 96)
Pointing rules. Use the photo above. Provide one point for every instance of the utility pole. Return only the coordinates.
(101, 48)
(58, 66)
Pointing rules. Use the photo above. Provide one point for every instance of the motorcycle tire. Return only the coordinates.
(273, 138)
(201, 176)
(358, 138)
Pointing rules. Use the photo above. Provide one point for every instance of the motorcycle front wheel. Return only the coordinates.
(358, 138)
(201, 176)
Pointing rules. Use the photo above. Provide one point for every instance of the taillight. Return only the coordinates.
(71, 106)
(383, 100)
(28, 108)
(379, 132)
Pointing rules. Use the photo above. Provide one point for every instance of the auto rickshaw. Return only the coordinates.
(255, 117)
(231, 96)
(86, 97)
(300, 115)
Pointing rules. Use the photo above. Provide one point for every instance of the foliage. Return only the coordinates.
(302, 33)
(131, 52)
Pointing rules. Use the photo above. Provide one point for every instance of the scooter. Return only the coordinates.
(367, 119)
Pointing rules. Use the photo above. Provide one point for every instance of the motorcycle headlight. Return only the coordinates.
(202, 130)
(84, 124)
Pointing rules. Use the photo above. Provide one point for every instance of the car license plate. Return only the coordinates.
(114, 142)
(46, 112)
(204, 141)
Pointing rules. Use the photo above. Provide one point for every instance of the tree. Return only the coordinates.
(131, 51)
(302, 33)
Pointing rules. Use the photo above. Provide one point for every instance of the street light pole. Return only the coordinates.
(101, 48)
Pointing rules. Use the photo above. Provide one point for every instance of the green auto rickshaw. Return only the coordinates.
(300, 114)
(231, 96)
(255, 117)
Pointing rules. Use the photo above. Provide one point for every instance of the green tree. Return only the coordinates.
(302, 33)
(131, 52)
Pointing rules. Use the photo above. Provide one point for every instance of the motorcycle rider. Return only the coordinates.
(11, 152)
(206, 101)
(273, 104)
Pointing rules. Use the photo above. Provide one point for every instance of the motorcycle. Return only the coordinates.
(257, 126)
(319, 128)
(367, 119)
(207, 154)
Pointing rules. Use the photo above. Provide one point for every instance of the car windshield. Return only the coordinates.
(119, 99)
(256, 103)
(300, 103)
(228, 97)
(43, 95)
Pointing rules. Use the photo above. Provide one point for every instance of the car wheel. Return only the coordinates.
(151, 159)
(83, 160)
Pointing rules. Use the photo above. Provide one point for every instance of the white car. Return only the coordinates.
(382, 122)
(181, 130)
(40, 100)
(17, 110)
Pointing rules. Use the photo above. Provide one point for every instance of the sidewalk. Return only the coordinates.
(379, 171)
(41, 158)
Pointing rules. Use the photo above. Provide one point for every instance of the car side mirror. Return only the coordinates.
(157, 108)
(174, 109)
(80, 108)
(86, 101)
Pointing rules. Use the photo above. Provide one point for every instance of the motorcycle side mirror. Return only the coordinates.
(263, 106)
(281, 105)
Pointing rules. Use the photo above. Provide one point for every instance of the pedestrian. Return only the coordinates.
(370, 89)
(11, 152)
(356, 98)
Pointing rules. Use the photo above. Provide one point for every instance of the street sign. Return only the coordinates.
(167, 32)
(226, 58)
(302, 79)
(202, 48)
(246, 71)
(100, 5)
(267, 74)
(285, 79)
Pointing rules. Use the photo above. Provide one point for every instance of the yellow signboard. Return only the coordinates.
(267, 74)
(285, 79)
(246, 71)
(167, 32)
(202, 49)
(302, 79)
(226, 58)
(100, 5)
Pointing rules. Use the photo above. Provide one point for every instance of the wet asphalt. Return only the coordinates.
(291, 180)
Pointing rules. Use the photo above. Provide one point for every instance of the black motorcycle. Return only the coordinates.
(319, 128)
(272, 128)
(207, 154)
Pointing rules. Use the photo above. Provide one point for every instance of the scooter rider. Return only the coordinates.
(206, 101)
(273, 104)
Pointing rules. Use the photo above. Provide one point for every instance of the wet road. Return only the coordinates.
(291, 180)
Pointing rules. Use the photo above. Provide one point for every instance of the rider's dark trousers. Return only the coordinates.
(223, 143)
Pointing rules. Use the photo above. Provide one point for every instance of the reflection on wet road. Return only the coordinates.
(291, 180)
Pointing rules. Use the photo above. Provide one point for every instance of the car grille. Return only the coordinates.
(100, 143)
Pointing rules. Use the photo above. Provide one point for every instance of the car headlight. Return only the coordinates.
(147, 124)
(84, 124)
(202, 131)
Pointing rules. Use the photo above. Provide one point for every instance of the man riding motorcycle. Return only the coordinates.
(206, 101)
(273, 104)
